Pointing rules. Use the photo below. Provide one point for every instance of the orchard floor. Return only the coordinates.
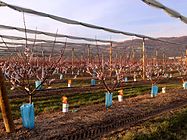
(58, 125)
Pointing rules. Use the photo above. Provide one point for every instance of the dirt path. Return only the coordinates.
(81, 124)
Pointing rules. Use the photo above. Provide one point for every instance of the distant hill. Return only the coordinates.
(127, 48)
(151, 46)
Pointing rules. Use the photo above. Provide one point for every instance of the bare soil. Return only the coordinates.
(55, 125)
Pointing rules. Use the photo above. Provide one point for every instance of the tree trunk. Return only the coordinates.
(30, 98)
(5, 107)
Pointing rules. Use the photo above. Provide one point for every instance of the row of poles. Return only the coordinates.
(4, 103)
(110, 57)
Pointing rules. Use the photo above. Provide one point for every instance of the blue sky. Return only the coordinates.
(126, 15)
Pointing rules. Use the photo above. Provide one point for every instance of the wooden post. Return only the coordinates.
(186, 57)
(88, 53)
(133, 54)
(110, 52)
(116, 58)
(72, 57)
(120, 60)
(143, 58)
(163, 57)
(156, 57)
(81, 59)
(102, 61)
(5, 107)
(110, 58)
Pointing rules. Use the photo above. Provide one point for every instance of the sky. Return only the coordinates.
(125, 15)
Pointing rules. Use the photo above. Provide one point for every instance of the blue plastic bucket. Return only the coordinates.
(108, 100)
(93, 82)
(27, 115)
(65, 108)
(154, 91)
(38, 85)
(185, 85)
(61, 76)
(126, 79)
(94, 73)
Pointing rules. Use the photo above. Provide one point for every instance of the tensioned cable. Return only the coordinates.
(15, 43)
(57, 35)
(5, 48)
(17, 49)
(74, 22)
(45, 41)
(169, 11)
(4, 53)
(53, 35)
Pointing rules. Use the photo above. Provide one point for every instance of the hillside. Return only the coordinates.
(126, 48)
(151, 46)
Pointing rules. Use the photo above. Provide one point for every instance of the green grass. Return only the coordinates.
(170, 86)
(45, 104)
(166, 128)
(42, 104)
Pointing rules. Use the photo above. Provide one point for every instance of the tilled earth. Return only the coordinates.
(57, 125)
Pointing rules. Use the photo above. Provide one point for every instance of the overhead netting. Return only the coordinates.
(168, 10)
(43, 42)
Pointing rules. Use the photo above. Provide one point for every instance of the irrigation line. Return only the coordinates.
(146, 116)
(98, 130)
(74, 22)
(74, 90)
